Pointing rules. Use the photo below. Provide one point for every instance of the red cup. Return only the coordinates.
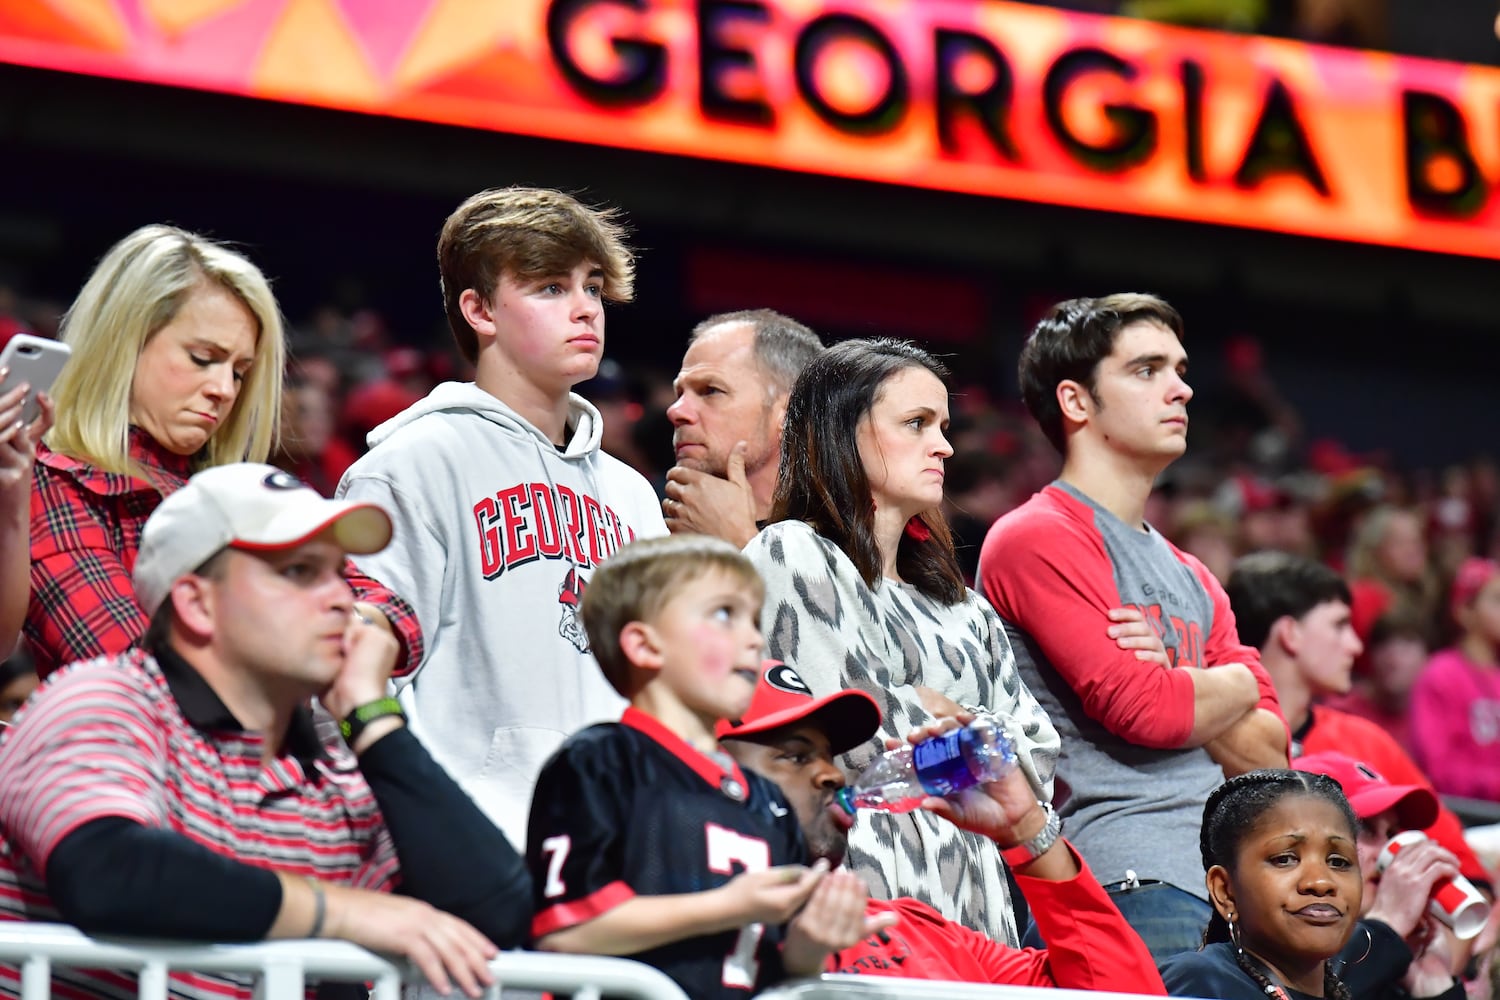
(1454, 901)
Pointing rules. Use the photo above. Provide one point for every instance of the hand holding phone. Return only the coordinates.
(18, 440)
(35, 361)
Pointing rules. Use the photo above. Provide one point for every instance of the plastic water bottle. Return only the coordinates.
(898, 780)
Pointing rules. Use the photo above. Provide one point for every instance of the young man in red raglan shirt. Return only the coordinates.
(1144, 743)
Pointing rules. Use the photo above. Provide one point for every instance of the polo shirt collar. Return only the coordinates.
(205, 710)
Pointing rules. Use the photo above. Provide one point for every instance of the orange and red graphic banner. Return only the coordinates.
(978, 96)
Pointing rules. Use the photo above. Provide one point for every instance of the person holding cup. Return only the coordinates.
(1400, 948)
(1454, 902)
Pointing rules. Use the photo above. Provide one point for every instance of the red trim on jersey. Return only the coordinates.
(701, 764)
(565, 915)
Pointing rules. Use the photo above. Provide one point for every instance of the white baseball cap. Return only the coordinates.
(250, 506)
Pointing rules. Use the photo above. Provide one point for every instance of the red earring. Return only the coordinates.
(917, 530)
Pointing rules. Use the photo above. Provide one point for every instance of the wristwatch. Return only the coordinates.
(1029, 850)
(355, 722)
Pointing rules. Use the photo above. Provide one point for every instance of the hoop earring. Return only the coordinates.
(1369, 944)
(1234, 934)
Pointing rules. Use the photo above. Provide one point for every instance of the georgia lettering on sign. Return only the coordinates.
(985, 97)
(1276, 143)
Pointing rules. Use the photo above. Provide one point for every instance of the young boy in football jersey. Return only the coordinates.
(646, 840)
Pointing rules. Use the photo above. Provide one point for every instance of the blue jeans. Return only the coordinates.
(1169, 920)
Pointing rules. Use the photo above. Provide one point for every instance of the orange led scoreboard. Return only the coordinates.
(978, 96)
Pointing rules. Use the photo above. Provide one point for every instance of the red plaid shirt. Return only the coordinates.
(85, 531)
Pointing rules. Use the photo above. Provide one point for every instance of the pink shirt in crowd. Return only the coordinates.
(1455, 725)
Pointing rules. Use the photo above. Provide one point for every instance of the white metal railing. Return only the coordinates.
(282, 969)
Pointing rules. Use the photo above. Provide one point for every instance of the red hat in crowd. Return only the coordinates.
(1370, 794)
(848, 717)
(1473, 574)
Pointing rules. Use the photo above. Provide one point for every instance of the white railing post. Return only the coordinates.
(36, 978)
(151, 982)
(280, 979)
(387, 986)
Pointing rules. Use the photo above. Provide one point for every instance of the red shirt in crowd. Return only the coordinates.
(1089, 945)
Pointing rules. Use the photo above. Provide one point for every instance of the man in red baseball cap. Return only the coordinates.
(791, 738)
(1402, 946)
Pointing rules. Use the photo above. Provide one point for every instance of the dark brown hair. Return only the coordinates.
(1068, 343)
(822, 480)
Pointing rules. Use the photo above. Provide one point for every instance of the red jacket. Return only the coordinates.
(1089, 945)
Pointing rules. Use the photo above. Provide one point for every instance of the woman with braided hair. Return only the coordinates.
(1280, 851)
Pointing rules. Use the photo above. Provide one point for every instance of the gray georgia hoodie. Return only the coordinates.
(497, 532)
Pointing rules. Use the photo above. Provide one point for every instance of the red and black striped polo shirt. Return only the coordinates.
(130, 736)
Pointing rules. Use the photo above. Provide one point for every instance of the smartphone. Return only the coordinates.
(35, 360)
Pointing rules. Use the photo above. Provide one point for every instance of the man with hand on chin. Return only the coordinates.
(180, 790)
(791, 738)
(726, 421)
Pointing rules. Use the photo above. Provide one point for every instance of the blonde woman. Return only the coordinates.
(178, 352)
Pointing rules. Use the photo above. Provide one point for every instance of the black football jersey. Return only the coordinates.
(629, 809)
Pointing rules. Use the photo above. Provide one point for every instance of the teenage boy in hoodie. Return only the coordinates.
(503, 501)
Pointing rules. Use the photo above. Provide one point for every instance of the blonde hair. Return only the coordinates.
(639, 580)
(136, 289)
(530, 233)
(1364, 548)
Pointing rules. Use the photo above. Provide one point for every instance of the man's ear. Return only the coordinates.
(196, 604)
(640, 644)
(478, 311)
(1074, 400)
(778, 413)
(1286, 632)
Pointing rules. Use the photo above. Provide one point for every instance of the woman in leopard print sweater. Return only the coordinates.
(863, 591)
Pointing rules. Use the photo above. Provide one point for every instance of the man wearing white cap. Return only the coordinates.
(180, 790)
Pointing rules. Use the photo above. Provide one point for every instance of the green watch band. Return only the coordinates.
(355, 722)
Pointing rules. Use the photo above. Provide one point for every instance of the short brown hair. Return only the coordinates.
(530, 233)
(639, 580)
(1069, 342)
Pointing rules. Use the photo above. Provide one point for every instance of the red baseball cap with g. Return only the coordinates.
(848, 718)
(1370, 794)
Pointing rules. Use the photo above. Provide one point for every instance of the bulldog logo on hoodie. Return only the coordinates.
(570, 596)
